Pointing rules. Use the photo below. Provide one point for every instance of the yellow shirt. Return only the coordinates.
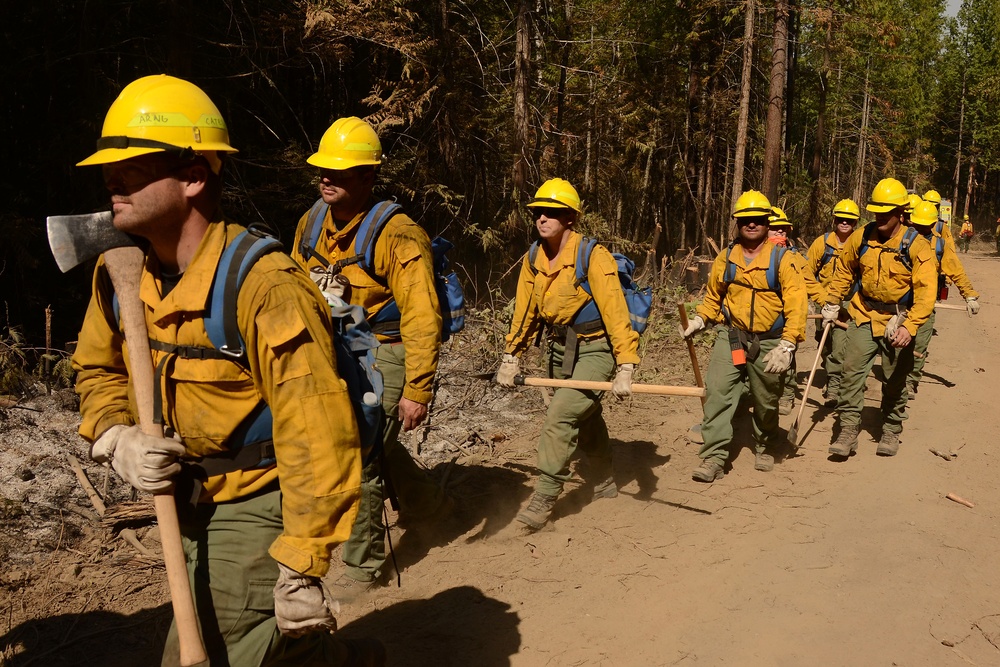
(885, 278)
(814, 290)
(966, 229)
(950, 265)
(404, 264)
(755, 309)
(286, 326)
(549, 294)
(815, 256)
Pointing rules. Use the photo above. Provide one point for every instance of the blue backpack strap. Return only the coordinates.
(234, 265)
(368, 233)
(583, 253)
(828, 253)
(310, 235)
(773, 279)
(532, 255)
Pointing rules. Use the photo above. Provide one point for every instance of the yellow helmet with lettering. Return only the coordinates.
(556, 193)
(912, 202)
(161, 113)
(932, 196)
(924, 214)
(750, 204)
(847, 209)
(888, 194)
(349, 142)
(778, 218)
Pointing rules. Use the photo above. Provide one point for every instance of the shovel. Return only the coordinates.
(593, 385)
(793, 432)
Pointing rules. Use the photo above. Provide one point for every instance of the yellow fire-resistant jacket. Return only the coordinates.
(885, 278)
(814, 291)
(286, 326)
(404, 264)
(752, 307)
(815, 256)
(550, 295)
(951, 266)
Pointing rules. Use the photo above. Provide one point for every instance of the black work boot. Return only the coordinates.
(846, 443)
(536, 514)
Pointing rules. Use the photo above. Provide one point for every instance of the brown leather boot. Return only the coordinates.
(847, 442)
(536, 514)
(888, 444)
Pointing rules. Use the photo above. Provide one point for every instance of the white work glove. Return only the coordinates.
(831, 312)
(695, 324)
(972, 305)
(302, 604)
(621, 386)
(779, 359)
(510, 366)
(893, 324)
(333, 287)
(146, 462)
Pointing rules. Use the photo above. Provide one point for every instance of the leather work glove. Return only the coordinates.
(972, 305)
(302, 604)
(831, 313)
(893, 325)
(621, 386)
(695, 324)
(146, 462)
(779, 359)
(334, 287)
(510, 366)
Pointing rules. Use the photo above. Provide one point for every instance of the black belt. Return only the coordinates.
(881, 306)
(194, 472)
(751, 341)
(569, 334)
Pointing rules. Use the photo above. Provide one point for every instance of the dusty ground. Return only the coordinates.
(862, 562)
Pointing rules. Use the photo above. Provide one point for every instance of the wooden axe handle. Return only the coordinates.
(948, 306)
(817, 316)
(698, 380)
(125, 267)
(658, 389)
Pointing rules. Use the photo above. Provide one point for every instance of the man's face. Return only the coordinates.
(346, 188)
(843, 225)
(888, 221)
(146, 195)
(553, 222)
(778, 233)
(752, 230)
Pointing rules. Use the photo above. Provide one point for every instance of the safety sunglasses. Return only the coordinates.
(548, 212)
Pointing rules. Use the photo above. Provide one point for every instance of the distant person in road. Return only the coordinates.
(822, 255)
(549, 298)
(895, 296)
(399, 282)
(923, 218)
(780, 232)
(756, 289)
(264, 503)
(996, 235)
(965, 234)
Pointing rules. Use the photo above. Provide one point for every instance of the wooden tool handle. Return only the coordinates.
(793, 435)
(948, 306)
(698, 380)
(125, 267)
(818, 316)
(658, 389)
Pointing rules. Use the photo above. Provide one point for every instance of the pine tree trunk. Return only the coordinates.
(958, 155)
(522, 66)
(862, 142)
(816, 167)
(741, 126)
(776, 101)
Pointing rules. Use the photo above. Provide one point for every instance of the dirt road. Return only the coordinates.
(862, 562)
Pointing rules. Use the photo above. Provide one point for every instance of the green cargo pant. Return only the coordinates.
(858, 360)
(833, 354)
(920, 344)
(791, 382)
(419, 496)
(574, 418)
(232, 579)
(725, 384)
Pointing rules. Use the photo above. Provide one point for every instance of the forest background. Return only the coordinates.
(660, 112)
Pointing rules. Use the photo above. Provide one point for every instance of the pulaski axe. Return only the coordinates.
(75, 239)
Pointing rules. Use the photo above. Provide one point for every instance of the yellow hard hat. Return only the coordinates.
(752, 204)
(912, 202)
(778, 218)
(888, 194)
(160, 113)
(932, 196)
(846, 208)
(349, 142)
(965, 217)
(924, 214)
(556, 193)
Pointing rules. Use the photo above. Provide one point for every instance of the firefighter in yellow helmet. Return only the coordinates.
(266, 520)
(550, 298)
(822, 256)
(756, 289)
(965, 234)
(923, 220)
(941, 228)
(397, 291)
(896, 296)
(780, 232)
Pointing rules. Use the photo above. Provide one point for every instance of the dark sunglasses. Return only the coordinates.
(548, 212)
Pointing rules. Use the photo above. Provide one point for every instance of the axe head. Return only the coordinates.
(74, 239)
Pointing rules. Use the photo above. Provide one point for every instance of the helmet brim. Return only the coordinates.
(883, 208)
(337, 163)
(111, 155)
(544, 202)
